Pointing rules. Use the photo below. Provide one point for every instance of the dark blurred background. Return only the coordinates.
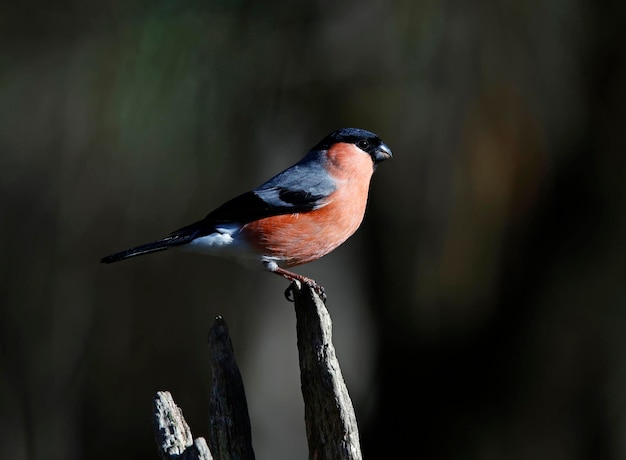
(479, 312)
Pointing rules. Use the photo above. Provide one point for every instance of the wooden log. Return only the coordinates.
(331, 426)
(230, 435)
(172, 433)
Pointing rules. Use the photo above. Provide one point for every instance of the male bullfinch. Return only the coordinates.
(297, 216)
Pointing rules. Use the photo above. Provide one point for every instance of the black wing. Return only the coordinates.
(303, 187)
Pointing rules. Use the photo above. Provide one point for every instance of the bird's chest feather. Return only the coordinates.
(299, 238)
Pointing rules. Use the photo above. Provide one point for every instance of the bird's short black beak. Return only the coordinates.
(382, 153)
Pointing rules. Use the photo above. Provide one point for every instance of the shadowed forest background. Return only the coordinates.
(479, 312)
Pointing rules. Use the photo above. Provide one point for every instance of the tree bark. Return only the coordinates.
(230, 435)
(173, 436)
(331, 426)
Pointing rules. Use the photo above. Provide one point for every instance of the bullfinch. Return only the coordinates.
(297, 216)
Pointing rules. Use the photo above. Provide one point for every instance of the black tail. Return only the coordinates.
(160, 245)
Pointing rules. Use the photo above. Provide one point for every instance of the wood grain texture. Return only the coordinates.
(331, 426)
(172, 433)
(229, 423)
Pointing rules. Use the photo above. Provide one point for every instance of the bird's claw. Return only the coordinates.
(320, 291)
(313, 285)
(289, 293)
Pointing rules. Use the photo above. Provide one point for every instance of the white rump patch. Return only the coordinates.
(213, 240)
(225, 242)
(216, 241)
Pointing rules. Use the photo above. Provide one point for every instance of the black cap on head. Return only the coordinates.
(362, 138)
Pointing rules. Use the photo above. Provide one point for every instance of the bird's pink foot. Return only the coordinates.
(312, 284)
(296, 277)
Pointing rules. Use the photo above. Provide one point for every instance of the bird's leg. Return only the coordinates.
(291, 276)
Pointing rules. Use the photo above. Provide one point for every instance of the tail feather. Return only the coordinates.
(160, 245)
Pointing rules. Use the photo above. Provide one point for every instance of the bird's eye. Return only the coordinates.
(364, 144)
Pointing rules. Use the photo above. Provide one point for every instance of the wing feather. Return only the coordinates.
(303, 187)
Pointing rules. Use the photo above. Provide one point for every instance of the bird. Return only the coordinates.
(298, 216)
